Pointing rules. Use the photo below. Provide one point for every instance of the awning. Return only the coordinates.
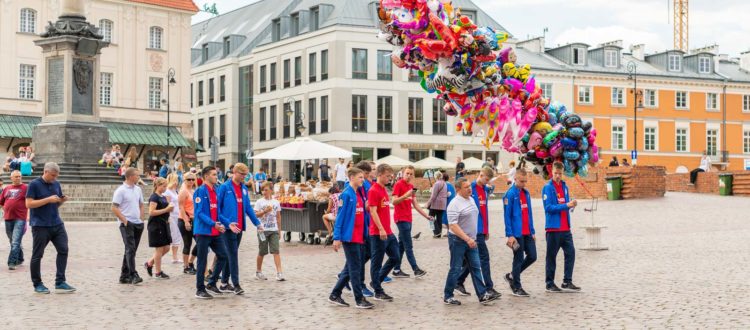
(17, 126)
(154, 135)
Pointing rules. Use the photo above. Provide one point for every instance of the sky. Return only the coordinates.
(649, 22)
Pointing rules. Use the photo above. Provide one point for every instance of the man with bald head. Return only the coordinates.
(16, 214)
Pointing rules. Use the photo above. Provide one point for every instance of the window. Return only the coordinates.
(287, 73)
(311, 116)
(105, 88)
(227, 46)
(711, 142)
(191, 95)
(359, 113)
(579, 56)
(650, 98)
(385, 120)
(359, 63)
(204, 53)
(222, 88)
(439, 154)
(272, 126)
(211, 129)
(294, 25)
(262, 124)
(649, 139)
(311, 67)
(415, 115)
(105, 29)
(712, 100)
(610, 58)
(584, 94)
(222, 130)
(324, 114)
(618, 98)
(297, 70)
(746, 103)
(154, 37)
(362, 154)
(546, 90)
(414, 75)
(618, 137)
(211, 91)
(417, 155)
(275, 30)
(314, 18)
(681, 140)
(262, 78)
(704, 64)
(26, 80)
(385, 71)
(681, 100)
(27, 21)
(323, 64)
(273, 77)
(154, 93)
(200, 133)
(200, 93)
(287, 122)
(439, 118)
(675, 63)
(746, 142)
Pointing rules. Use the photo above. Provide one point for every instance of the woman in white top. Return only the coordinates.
(174, 216)
(704, 167)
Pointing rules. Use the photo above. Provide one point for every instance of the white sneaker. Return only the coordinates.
(260, 276)
(280, 277)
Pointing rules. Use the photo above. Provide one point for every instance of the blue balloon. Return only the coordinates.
(575, 132)
(583, 145)
(569, 144)
(571, 155)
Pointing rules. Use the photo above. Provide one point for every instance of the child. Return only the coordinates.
(268, 211)
(330, 216)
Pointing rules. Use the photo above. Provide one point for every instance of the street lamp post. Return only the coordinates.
(170, 81)
(637, 103)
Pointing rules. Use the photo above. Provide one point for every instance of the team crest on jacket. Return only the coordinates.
(545, 197)
(506, 201)
(197, 200)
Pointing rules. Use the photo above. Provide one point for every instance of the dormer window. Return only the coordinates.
(610, 58)
(314, 18)
(204, 53)
(227, 46)
(675, 63)
(704, 64)
(276, 30)
(579, 56)
(294, 25)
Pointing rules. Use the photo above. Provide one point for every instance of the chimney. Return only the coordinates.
(745, 61)
(535, 45)
(617, 43)
(638, 51)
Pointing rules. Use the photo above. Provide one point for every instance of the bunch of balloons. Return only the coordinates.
(481, 83)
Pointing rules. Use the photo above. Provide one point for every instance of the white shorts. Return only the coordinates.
(174, 230)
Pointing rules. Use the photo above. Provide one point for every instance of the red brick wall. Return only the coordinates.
(705, 183)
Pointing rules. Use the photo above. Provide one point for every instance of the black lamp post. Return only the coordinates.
(298, 117)
(637, 104)
(170, 81)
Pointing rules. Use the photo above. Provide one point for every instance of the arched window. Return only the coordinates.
(27, 21)
(154, 37)
(105, 28)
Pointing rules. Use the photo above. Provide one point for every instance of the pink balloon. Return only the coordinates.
(534, 140)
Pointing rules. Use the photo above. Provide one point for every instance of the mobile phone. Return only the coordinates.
(516, 246)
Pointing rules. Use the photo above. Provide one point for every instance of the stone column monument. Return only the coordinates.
(70, 131)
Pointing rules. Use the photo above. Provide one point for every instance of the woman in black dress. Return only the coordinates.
(159, 236)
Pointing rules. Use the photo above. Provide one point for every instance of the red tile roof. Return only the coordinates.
(188, 5)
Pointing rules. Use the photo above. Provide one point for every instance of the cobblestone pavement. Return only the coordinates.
(680, 261)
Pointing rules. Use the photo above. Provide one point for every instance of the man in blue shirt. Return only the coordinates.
(43, 198)
(260, 179)
(164, 170)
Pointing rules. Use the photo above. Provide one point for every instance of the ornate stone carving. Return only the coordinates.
(81, 74)
(156, 62)
(72, 26)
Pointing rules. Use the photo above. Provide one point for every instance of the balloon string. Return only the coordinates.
(584, 187)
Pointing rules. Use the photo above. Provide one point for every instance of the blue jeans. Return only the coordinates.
(217, 244)
(363, 257)
(556, 241)
(520, 263)
(232, 266)
(352, 270)
(405, 245)
(379, 248)
(15, 230)
(41, 236)
(461, 252)
(484, 260)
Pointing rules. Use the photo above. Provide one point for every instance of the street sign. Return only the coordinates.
(747, 164)
(634, 157)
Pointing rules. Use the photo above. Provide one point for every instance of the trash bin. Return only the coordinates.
(614, 185)
(725, 184)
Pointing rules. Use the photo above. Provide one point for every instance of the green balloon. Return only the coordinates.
(550, 136)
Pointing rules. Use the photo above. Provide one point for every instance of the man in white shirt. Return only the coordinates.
(704, 167)
(339, 173)
(127, 205)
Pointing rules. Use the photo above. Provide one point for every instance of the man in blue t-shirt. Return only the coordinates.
(43, 198)
(164, 170)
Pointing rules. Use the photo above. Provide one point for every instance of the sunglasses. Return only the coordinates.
(189, 179)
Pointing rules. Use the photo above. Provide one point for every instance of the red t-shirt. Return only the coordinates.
(402, 211)
(378, 197)
(358, 235)
(564, 223)
(13, 199)
(214, 207)
(240, 210)
(482, 197)
(524, 215)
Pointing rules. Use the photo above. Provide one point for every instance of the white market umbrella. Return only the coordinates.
(472, 164)
(430, 163)
(394, 161)
(304, 148)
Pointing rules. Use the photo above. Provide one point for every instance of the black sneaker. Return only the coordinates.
(520, 292)
(419, 273)
(487, 298)
(203, 295)
(569, 286)
(553, 289)
(149, 269)
(400, 274)
(383, 297)
(226, 288)
(461, 290)
(211, 288)
(124, 280)
(186, 270)
(509, 278)
(492, 291)
(238, 290)
(437, 235)
(452, 302)
(364, 304)
(136, 279)
(337, 301)
(161, 276)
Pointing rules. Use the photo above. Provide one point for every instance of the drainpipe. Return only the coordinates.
(724, 152)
